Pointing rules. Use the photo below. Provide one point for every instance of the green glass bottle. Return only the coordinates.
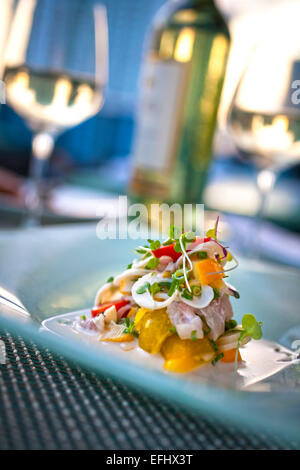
(181, 84)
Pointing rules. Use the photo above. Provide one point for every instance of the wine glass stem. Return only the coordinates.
(42, 147)
(266, 180)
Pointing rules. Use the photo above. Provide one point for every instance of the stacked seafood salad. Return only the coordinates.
(174, 300)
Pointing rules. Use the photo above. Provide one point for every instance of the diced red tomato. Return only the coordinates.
(101, 308)
(169, 249)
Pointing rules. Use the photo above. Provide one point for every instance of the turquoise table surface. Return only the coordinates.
(56, 270)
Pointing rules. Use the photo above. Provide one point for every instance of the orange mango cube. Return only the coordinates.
(229, 356)
(181, 364)
(126, 338)
(202, 271)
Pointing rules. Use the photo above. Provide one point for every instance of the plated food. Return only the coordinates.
(174, 300)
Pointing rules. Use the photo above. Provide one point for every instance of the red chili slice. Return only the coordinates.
(169, 249)
(101, 308)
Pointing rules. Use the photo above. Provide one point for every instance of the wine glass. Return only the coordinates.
(55, 71)
(264, 119)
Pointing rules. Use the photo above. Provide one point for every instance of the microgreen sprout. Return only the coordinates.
(174, 232)
(130, 328)
(212, 233)
(152, 263)
(252, 328)
(168, 242)
(141, 250)
(185, 257)
(153, 244)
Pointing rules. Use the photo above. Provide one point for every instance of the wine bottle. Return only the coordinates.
(181, 80)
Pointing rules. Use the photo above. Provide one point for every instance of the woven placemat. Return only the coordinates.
(48, 403)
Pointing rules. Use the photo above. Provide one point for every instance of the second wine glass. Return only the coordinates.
(55, 72)
(264, 119)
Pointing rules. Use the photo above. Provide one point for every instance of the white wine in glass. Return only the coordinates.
(51, 100)
(55, 72)
(272, 139)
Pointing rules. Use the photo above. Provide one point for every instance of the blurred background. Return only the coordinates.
(92, 161)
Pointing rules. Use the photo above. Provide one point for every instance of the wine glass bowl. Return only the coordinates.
(271, 139)
(51, 101)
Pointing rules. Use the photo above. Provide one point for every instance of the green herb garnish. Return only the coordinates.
(213, 345)
(168, 242)
(212, 233)
(252, 328)
(141, 251)
(165, 283)
(179, 274)
(216, 293)
(129, 266)
(187, 295)
(196, 290)
(189, 236)
(202, 255)
(236, 294)
(144, 287)
(130, 328)
(173, 330)
(154, 288)
(110, 279)
(176, 284)
(230, 324)
(82, 317)
(194, 335)
(217, 359)
(177, 247)
(153, 244)
(173, 287)
(180, 238)
(174, 232)
(152, 263)
(206, 328)
(64, 321)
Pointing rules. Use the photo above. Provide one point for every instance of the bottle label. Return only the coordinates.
(160, 114)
